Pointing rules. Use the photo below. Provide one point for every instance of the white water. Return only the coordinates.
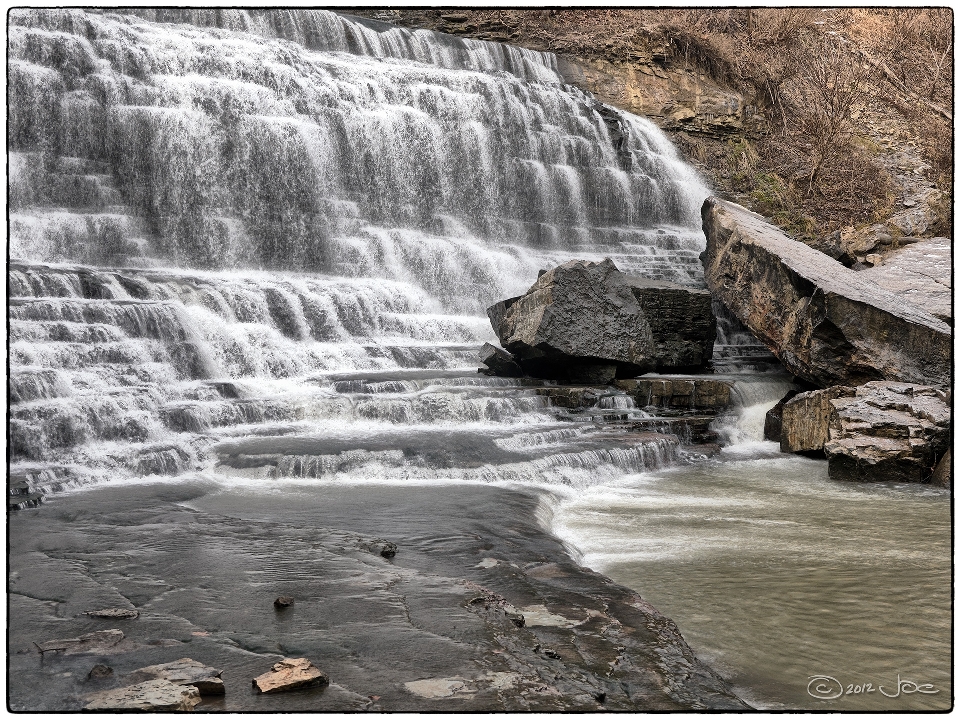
(228, 226)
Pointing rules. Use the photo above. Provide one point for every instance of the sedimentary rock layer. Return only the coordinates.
(825, 323)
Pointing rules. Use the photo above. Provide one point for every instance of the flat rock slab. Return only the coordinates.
(154, 695)
(185, 672)
(921, 274)
(92, 643)
(290, 674)
(824, 322)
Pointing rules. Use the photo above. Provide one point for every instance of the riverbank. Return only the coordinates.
(433, 628)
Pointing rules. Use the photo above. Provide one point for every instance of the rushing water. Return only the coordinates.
(250, 245)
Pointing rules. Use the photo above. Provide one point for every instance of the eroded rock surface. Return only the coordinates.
(154, 695)
(588, 322)
(921, 274)
(826, 324)
(805, 419)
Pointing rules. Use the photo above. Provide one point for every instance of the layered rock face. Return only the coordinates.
(588, 322)
(826, 323)
(876, 432)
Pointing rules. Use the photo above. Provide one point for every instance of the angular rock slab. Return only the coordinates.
(587, 321)
(288, 675)
(185, 672)
(823, 321)
(154, 695)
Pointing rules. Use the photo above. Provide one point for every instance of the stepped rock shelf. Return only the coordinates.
(826, 323)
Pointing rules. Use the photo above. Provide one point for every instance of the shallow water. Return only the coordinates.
(776, 575)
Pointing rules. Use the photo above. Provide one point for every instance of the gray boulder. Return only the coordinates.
(588, 322)
(824, 322)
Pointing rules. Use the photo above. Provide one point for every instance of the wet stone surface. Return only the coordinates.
(435, 628)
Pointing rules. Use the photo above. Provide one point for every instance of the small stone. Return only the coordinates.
(155, 695)
(290, 674)
(283, 602)
(100, 671)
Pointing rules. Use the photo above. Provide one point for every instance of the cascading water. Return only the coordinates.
(257, 245)
(233, 223)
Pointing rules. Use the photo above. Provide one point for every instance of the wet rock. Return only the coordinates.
(943, 474)
(695, 393)
(773, 420)
(888, 431)
(387, 550)
(114, 613)
(100, 671)
(805, 419)
(588, 322)
(826, 324)
(283, 602)
(290, 674)
(92, 643)
(920, 274)
(498, 362)
(154, 695)
(184, 672)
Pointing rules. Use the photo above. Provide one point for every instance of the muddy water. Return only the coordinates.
(777, 575)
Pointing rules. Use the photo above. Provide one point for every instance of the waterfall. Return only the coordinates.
(259, 223)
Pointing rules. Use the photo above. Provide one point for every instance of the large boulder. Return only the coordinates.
(826, 323)
(875, 432)
(588, 322)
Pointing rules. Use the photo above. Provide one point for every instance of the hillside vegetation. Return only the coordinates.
(858, 102)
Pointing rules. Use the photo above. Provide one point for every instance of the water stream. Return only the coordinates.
(256, 246)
